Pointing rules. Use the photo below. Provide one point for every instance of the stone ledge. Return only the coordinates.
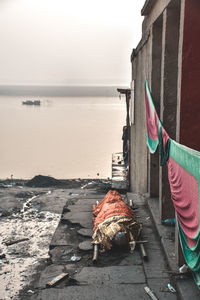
(165, 233)
(186, 287)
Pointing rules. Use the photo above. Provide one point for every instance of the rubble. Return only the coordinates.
(43, 181)
(12, 242)
(57, 279)
(150, 293)
(75, 258)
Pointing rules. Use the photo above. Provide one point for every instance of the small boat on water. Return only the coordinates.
(31, 102)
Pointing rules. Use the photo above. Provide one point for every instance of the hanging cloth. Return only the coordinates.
(184, 178)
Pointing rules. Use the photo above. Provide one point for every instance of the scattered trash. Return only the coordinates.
(183, 269)
(57, 279)
(3, 185)
(169, 222)
(49, 192)
(89, 185)
(84, 186)
(170, 287)
(75, 258)
(21, 260)
(143, 251)
(95, 254)
(9, 243)
(30, 292)
(150, 293)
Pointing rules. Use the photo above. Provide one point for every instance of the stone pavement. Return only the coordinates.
(116, 275)
(185, 285)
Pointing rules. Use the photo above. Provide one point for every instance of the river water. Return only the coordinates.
(64, 137)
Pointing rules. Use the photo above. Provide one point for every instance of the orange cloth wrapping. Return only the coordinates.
(112, 216)
(111, 205)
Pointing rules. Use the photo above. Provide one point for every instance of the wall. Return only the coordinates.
(141, 66)
(190, 81)
(155, 59)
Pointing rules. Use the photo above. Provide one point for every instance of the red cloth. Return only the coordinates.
(185, 196)
(111, 205)
(151, 119)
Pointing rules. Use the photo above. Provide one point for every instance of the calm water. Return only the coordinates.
(64, 137)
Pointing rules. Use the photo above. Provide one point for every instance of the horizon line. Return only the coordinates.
(63, 85)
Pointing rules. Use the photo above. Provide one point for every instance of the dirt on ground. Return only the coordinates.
(30, 212)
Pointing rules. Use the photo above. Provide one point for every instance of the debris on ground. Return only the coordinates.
(54, 243)
(75, 258)
(43, 181)
(183, 269)
(30, 292)
(150, 293)
(57, 279)
(143, 251)
(171, 288)
(12, 242)
(25, 237)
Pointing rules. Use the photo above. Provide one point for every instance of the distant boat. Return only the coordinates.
(30, 102)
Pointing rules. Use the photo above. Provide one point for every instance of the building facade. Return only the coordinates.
(168, 57)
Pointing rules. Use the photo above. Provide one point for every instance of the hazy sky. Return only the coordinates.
(68, 41)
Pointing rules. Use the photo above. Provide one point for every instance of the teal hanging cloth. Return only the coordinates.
(184, 178)
(156, 134)
(151, 121)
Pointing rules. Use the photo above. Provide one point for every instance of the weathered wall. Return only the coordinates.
(156, 11)
(190, 81)
(168, 96)
(139, 165)
(155, 59)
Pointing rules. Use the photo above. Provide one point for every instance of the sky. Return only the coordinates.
(68, 42)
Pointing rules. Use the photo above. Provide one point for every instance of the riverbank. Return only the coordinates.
(116, 274)
(29, 216)
(46, 231)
